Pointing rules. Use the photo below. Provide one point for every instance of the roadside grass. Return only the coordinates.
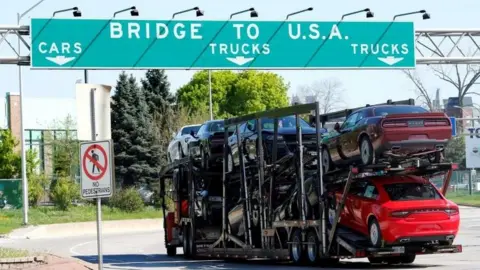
(465, 198)
(13, 253)
(13, 219)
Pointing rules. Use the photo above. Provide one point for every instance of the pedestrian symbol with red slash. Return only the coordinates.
(97, 180)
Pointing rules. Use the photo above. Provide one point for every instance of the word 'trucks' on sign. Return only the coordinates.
(142, 44)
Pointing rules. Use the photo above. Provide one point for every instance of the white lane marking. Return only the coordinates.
(72, 249)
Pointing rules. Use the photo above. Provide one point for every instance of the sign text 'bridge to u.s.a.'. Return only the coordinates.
(143, 44)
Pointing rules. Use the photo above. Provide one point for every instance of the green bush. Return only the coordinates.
(128, 200)
(64, 192)
(37, 184)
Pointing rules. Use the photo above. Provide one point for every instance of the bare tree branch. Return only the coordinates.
(328, 92)
(421, 90)
(463, 83)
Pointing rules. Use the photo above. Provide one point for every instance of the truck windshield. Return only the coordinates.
(396, 109)
(411, 191)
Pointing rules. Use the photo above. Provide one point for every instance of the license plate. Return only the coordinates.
(415, 123)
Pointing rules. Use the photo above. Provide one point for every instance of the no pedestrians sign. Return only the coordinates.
(96, 166)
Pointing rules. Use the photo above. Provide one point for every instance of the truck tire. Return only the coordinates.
(186, 239)
(376, 260)
(171, 251)
(407, 259)
(192, 245)
(296, 249)
(313, 247)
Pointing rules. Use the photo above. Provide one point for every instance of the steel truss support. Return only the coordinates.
(447, 46)
(433, 46)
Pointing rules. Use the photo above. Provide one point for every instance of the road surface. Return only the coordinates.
(146, 251)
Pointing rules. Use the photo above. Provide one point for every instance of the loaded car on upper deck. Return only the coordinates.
(391, 133)
(286, 138)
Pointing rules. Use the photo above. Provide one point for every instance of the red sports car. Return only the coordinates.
(386, 133)
(401, 210)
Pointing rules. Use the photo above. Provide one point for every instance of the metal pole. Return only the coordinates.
(99, 200)
(85, 76)
(22, 140)
(210, 92)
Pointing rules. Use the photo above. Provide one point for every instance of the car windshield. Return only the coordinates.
(387, 110)
(219, 127)
(188, 130)
(284, 122)
(411, 191)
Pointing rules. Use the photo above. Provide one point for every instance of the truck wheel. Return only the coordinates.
(407, 259)
(186, 239)
(366, 151)
(296, 248)
(376, 260)
(192, 245)
(312, 247)
(171, 251)
(374, 233)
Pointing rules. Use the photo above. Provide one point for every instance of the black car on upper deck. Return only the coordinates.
(286, 140)
(209, 144)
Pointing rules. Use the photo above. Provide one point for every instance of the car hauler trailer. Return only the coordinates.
(276, 209)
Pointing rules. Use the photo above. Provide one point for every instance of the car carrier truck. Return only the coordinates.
(275, 206)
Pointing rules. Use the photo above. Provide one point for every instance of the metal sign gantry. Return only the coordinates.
(433, 46)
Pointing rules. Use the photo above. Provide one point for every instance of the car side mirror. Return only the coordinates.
(250, 127)
(336, 127)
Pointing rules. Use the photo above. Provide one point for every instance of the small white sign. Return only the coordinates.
(96, 161)
(472, 150)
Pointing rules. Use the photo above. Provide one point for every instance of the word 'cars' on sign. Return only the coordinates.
(141, 44)
(96, 166)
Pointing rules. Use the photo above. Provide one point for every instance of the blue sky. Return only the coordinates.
(362, 87)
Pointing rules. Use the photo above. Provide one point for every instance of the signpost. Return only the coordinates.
(96, 163)
(142, 44)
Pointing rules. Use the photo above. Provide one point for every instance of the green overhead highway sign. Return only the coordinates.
(143, 44)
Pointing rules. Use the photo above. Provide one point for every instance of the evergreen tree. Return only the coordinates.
(157, 90)
(131, 133)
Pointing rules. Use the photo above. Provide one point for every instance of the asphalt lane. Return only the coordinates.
(146, 251)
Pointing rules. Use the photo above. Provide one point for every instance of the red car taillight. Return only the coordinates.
(436, 122)
(400, 214)
(451, 211)
(392, 124)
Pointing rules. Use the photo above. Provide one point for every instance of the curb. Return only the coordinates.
(468, 205)
(89, 266)
(22, 260)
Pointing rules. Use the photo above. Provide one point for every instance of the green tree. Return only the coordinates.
(195, 94)
(64, 152)
(234, 93)
(455, 151)
(157, 90)
(135, 158)
(10, 160)
(256, 91)
(37, 182)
